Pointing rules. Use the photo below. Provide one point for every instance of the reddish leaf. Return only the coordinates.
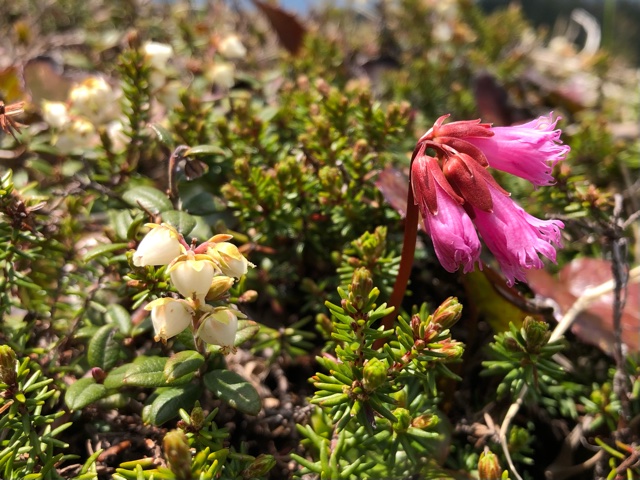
(394, 186)
(288, 28)
(595, 324)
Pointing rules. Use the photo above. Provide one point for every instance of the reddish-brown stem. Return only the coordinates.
(406, 263)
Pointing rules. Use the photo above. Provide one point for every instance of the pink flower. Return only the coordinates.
(516, 238)
(454, 237)
(454, 190)
(529, 151)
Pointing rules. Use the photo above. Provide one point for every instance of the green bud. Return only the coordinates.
(220, 285)
(448, 313)
(374, 374)
(536, 333)
(260, 466)
(197, 416)
(8, 374)
(488, 466)
(400, 397)
(178, 454)
(425, 421)
(403, 417)
(361, 286)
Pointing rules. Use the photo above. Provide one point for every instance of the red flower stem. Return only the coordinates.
(406, 261)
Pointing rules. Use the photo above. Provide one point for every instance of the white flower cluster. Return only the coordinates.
(91, 104)
(222, 72)
(200, 274)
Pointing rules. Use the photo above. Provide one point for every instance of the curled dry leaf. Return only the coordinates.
(595, 324)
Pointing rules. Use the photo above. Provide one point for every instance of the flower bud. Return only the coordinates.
(231, 261)
(197, 416)
(8, 374)
(98, 374)
(403, 417)
(178, 454)
(232, 48)
(260, 466)
(158, 247)
(192, 275)
(425, 421)
(374, 374)
(219, 327)
(361, 286)
(536, 334)
(488, 466)
(169, 317)
(219, 287)
(448, 313)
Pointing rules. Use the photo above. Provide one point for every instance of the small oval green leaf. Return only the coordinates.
(120, 221)
(146, 372)
(116, 376)
(233, 389)
(204, 150)
(119, 316)
(84, 392)
(148, 198)
(102, 250)
(246, 330)
(168, 403)
(104, 348)
(162, 133)
(182, 221)
(181, 364)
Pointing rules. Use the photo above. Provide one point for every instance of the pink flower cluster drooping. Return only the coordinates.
(458, 197)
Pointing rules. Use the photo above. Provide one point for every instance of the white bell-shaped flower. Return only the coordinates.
(169, 317)
(219, 327)
(158, 54)
(158, 247)
(95, 100)
(192, 275)
(231, 47)
(56, 114)
(231, 261)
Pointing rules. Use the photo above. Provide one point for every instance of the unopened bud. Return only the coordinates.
(8, 374)
(361, 286)
(98, 374)
(452, 349)
(248, 297)
(220, 285)
(374, 374)
(448, 313)
(536, 334)
(488, 466)
(178, 454)
(403, 417)
(197, 416)
(260, 466)
(425, 421)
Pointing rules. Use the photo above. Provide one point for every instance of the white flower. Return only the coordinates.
(158, 247)
(169, 317)
(158, 54)
(192, 275)
(79, 134)
(119, 140)
(231, 261)
(95, 100)
(232, 48)
(219, 327)
(55, 114)
(222, 74)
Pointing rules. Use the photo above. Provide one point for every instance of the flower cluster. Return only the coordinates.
(201, 274)
(455, 191)
(223, 70)
(91, 104)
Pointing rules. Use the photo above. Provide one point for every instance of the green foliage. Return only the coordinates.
(379, 400)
